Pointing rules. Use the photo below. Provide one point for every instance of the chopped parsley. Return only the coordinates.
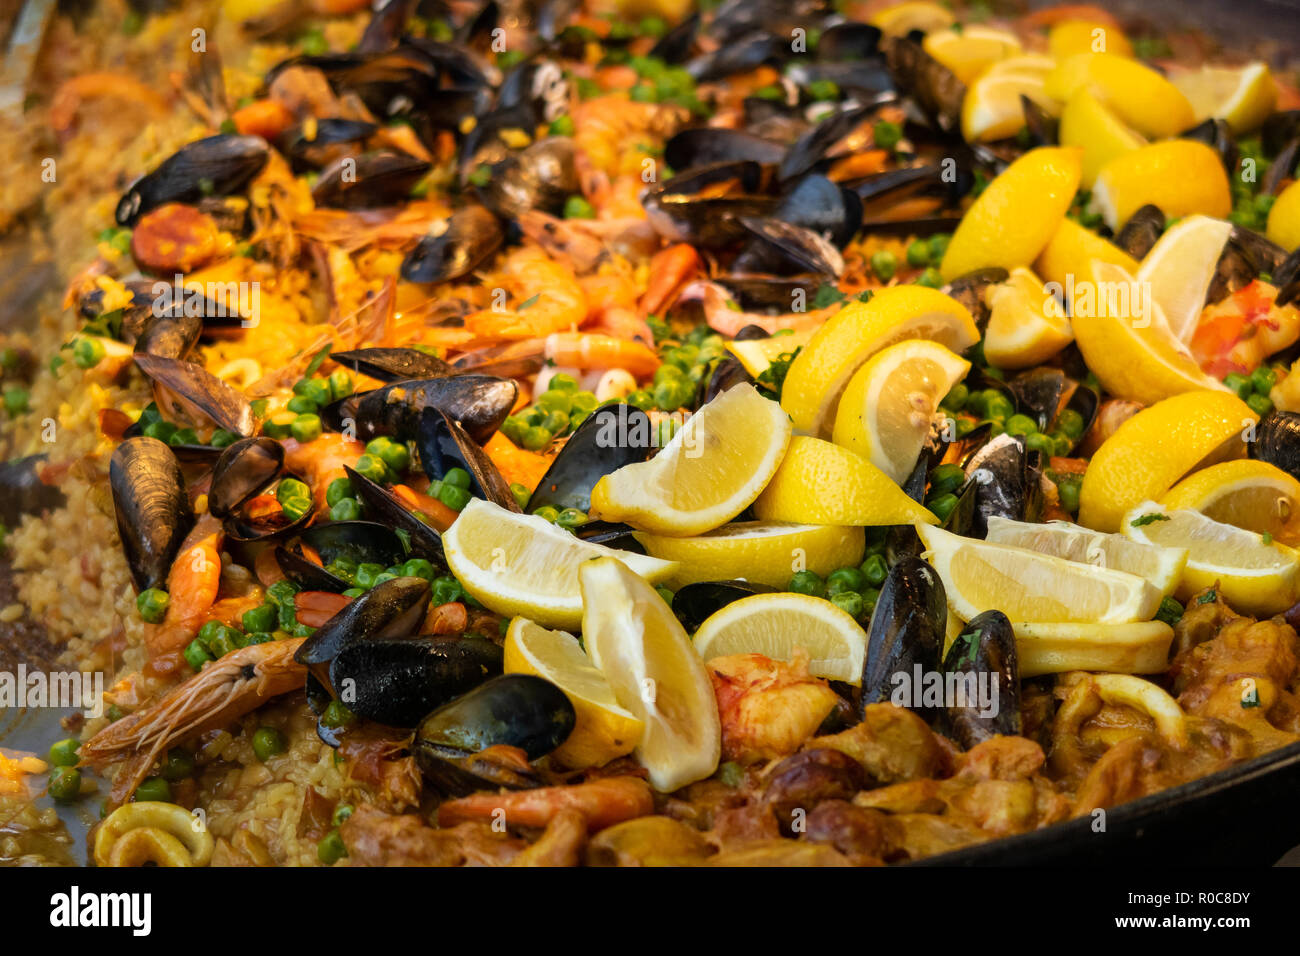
(1147, 519)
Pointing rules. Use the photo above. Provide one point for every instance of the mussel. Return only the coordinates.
(981, 675)
(339, 542)
(393, 364)
(368, 181)
(197, 392)
(388, 509)
(513, 710)
(398, 682)
(1141, 231)
(1277, 441)
(470, 236)
(905, 636)
(1004, 483)
(444, 445)
(608, 439)
(243, 469)
(480, 403)
(541, 177)
(153, 508)
(694, 603)
(22, 492)
(218, 165)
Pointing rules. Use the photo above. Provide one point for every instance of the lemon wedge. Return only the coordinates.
(1088, 124)
(603, 730)
(712, 470)
(968, 52)
(1247, 493)
(822, 483)
(1284, 218)
(756, 355)
(1243, 96)
(523, 565)
(1141, 97)
(775, 624)
(887, 408)
(1140, 647)
(1254, 575)
(1181, 176)
(1086, 36)
(991, 108)
(766, 553)
(1156, 447)
(654, 672)
(1069, 255)
(1029, 586)
(1162, 567)
(902, 18)
(1180, 267)
(819, 373)
(1027, 325)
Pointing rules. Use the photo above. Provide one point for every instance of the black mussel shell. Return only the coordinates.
(707, 146)
(869, 77)
(471, 236)
(728, 373)
(1277, 441)
(760, 293)
(218, 165)
(1141, 231)
(391, 609)
(984, 654)
(444, 445)
(1043, 127)
(1005, 484)
(361, 542)
(398, 682)
(199, 389)
(541, 177)
(811, 148)
(393, 365)
(970, 290)
(675, 45)
(480, 403)
(514, 710)
(708, 223)
(933, 86)
(307, 153)
(782, 247)
(368, 181)
(173, 334)
(243, 469)
(246, 528)
(746, 53)
(849, 40)
(308, 575)
(695, 603)
(901, 540)
(385, 507)
(906, 632)
(825, 207)
(153, 508)
(610, 438)
(1216, 134)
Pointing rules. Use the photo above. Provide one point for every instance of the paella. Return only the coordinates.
(632, 432)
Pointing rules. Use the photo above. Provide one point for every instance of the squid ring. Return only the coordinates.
(166, 819)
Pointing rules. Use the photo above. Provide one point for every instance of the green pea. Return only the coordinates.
(887, 135)
(65, 784)
(869, 598)
(918, 253)
(1070, 423)
(1069, 495)
(366, 574)
(196, 655)
(260, 618)
(221, 438)
(306, 428)
(347, 509)
(372, 467)
(315, 390)
(666, 595)
(279, 425)
(939, 245)
(823, 90)
(942, 506)
(418, 568)
(340, 385)
(874, 571)
(641, 399)
(585, 402)
(291, 488)
(1260, 404)
(884, 263)
(154, 789)
(178, 765)
(571, 518)
(267, 743)
(513, 428)
(1021, 425)
(1040, 442)
(224, 642)
(562, 382)
(956, 398)
(258, 637)
(1238, 383)
(536, 438)
(331, 849)
(163, 431)
(850, 602)
(556, 422)
(88, 351)
(521, 493)
(64, 753)
(999, 406)
(562, 126)
(454, 498)
(457, 478)
(152, 604)
(301, 405)
(808, 582)
(337, 714)
(575, 207)
(338, 489)
(282, 591)
(845, 579)
(341, 814)
(667, 372)
(930, 278)
(945, 479)
(549, 512)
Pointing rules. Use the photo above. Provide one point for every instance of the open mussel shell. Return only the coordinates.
(1045, 393)
(358, 542)
(153, 508)
(746, 53)
(215, 166)
(1216, 134)
(472, 234)
(23, 493)
(171, 334)
(243, 469)
(246, 526)
(984, 655)
(479, 403)
(708, 145)
(825, 207)
(901, 540)
(1005, 483)
(199, 391)
(930, 84)
(444, 445)
(611, 437)
(398, 682)
(391, 609)
(1277, 441)
(384, 506)
(307, 149)
(697, 602)
(706, 222)
(811, 149)
(782, 247)
(541, 177)
(970, 289)
(726, 374)
(906, 632)
(369, 181)
(513, 710)
(393, 364)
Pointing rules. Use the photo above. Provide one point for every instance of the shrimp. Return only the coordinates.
(563, 239)
(670, 271)
(595, 350)
(550, 299)
(602, 802)
(193, 583)
(69, 97)
(223, 691)
(321, 460)
(724, 315)
(1239, 333)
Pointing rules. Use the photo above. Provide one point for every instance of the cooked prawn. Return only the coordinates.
(602, 802)
(595, 350)
(1239, 333)
(223, 691)
(193, 583)
(548, 294)
(725, 316)
(670, 271)
(321, 460)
